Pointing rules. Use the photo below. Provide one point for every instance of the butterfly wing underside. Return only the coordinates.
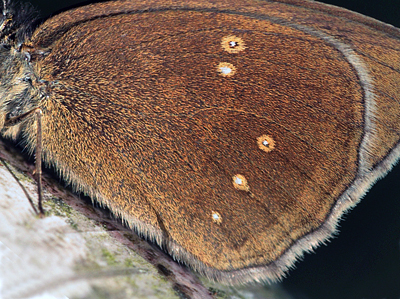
(235, 136)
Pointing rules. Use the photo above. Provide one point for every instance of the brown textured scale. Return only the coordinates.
(234, 133)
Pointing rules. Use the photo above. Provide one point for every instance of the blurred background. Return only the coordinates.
(363, 261)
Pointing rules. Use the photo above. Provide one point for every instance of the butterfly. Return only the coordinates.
(233, 134)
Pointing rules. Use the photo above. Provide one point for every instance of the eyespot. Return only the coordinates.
(240, 183)
(232, 44)
(266, 143)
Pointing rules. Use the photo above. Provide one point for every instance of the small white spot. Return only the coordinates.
(216, 217)
(226, 69)
(238, 181)
(265, 143)
(233, 44)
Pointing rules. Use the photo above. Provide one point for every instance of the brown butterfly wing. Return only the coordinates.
(161, 113)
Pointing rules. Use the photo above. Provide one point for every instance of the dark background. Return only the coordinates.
(363, 261)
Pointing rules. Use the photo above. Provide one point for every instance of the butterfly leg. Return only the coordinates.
(38, 161)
